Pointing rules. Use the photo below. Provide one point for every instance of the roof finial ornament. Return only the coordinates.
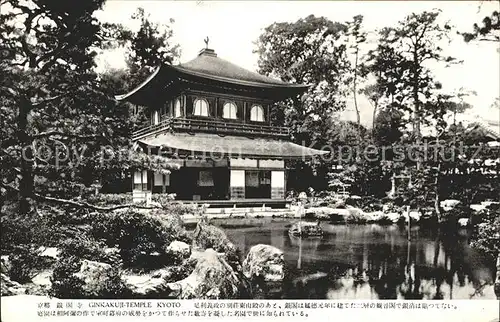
(206, 40)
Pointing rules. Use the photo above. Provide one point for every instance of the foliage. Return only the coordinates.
(177, 208)
(66, 284)
(65, 132)
(25, 262)
(357, 37)
(488, 30)
(208, 236)
(486, 237)
(29, 230)
(182, 271)
(388, 126)
(308, 51)
(146, 48)
(137, 235)
(85, 247)
(110, 199)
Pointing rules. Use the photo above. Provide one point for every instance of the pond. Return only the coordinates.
(370, 262)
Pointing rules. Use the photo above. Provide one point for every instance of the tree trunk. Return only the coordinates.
(497, 281)
(436, 193)
(358, 117)
(26, 181)
(416, 117)
(375, 107)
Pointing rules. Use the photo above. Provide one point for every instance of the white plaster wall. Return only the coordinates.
(237, 178)
(248, 163)
(272, 164)
(278, 179)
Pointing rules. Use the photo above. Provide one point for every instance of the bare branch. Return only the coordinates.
(10, 90)
(59, 133)
(89, 206)
(82, 205)
(47, 100)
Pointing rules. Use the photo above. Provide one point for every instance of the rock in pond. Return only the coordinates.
(266, 262)
(212, 278)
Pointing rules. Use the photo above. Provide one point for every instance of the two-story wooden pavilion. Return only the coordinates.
(212, 117)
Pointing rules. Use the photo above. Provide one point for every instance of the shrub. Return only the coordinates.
(172, 224)
(109, 199)
(208, 236)
(25, 261)
(29, 229)
(486, 235)
(65, 285)
(178, 208)
(85, 247)
(106, 284)
(182, 271)
(136, 235)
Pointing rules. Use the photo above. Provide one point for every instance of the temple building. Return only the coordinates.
(212, 117)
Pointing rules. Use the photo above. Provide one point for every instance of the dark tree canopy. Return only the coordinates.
(60, 123)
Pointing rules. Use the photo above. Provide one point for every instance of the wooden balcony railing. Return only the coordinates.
(211, 126)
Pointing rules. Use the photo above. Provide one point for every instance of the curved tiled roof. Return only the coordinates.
(235, 146)
(209, 64)
(210, 67)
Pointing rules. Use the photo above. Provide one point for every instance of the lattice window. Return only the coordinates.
(257, 113)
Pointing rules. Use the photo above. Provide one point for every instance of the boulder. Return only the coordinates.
(208, 236)
(51, 252)
(374, 215)
(266, 262)
(477, 207)
(449, 204)
(5, 264)
(115, 251)
(212, 278)
(393, 216)
(319, 212)
(152, 285)
(340, 212)
(415, 215)
(178, 251)
(96, 276)
(11, 287)
(463, 222)
(43, 278)
(354, 211)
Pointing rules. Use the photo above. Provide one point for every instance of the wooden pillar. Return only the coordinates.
(237, 184)
(184, 103)
(245, 107)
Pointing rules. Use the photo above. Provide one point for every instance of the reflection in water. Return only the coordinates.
(374, 262)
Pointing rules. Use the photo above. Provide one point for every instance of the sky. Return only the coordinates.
(234, 26)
